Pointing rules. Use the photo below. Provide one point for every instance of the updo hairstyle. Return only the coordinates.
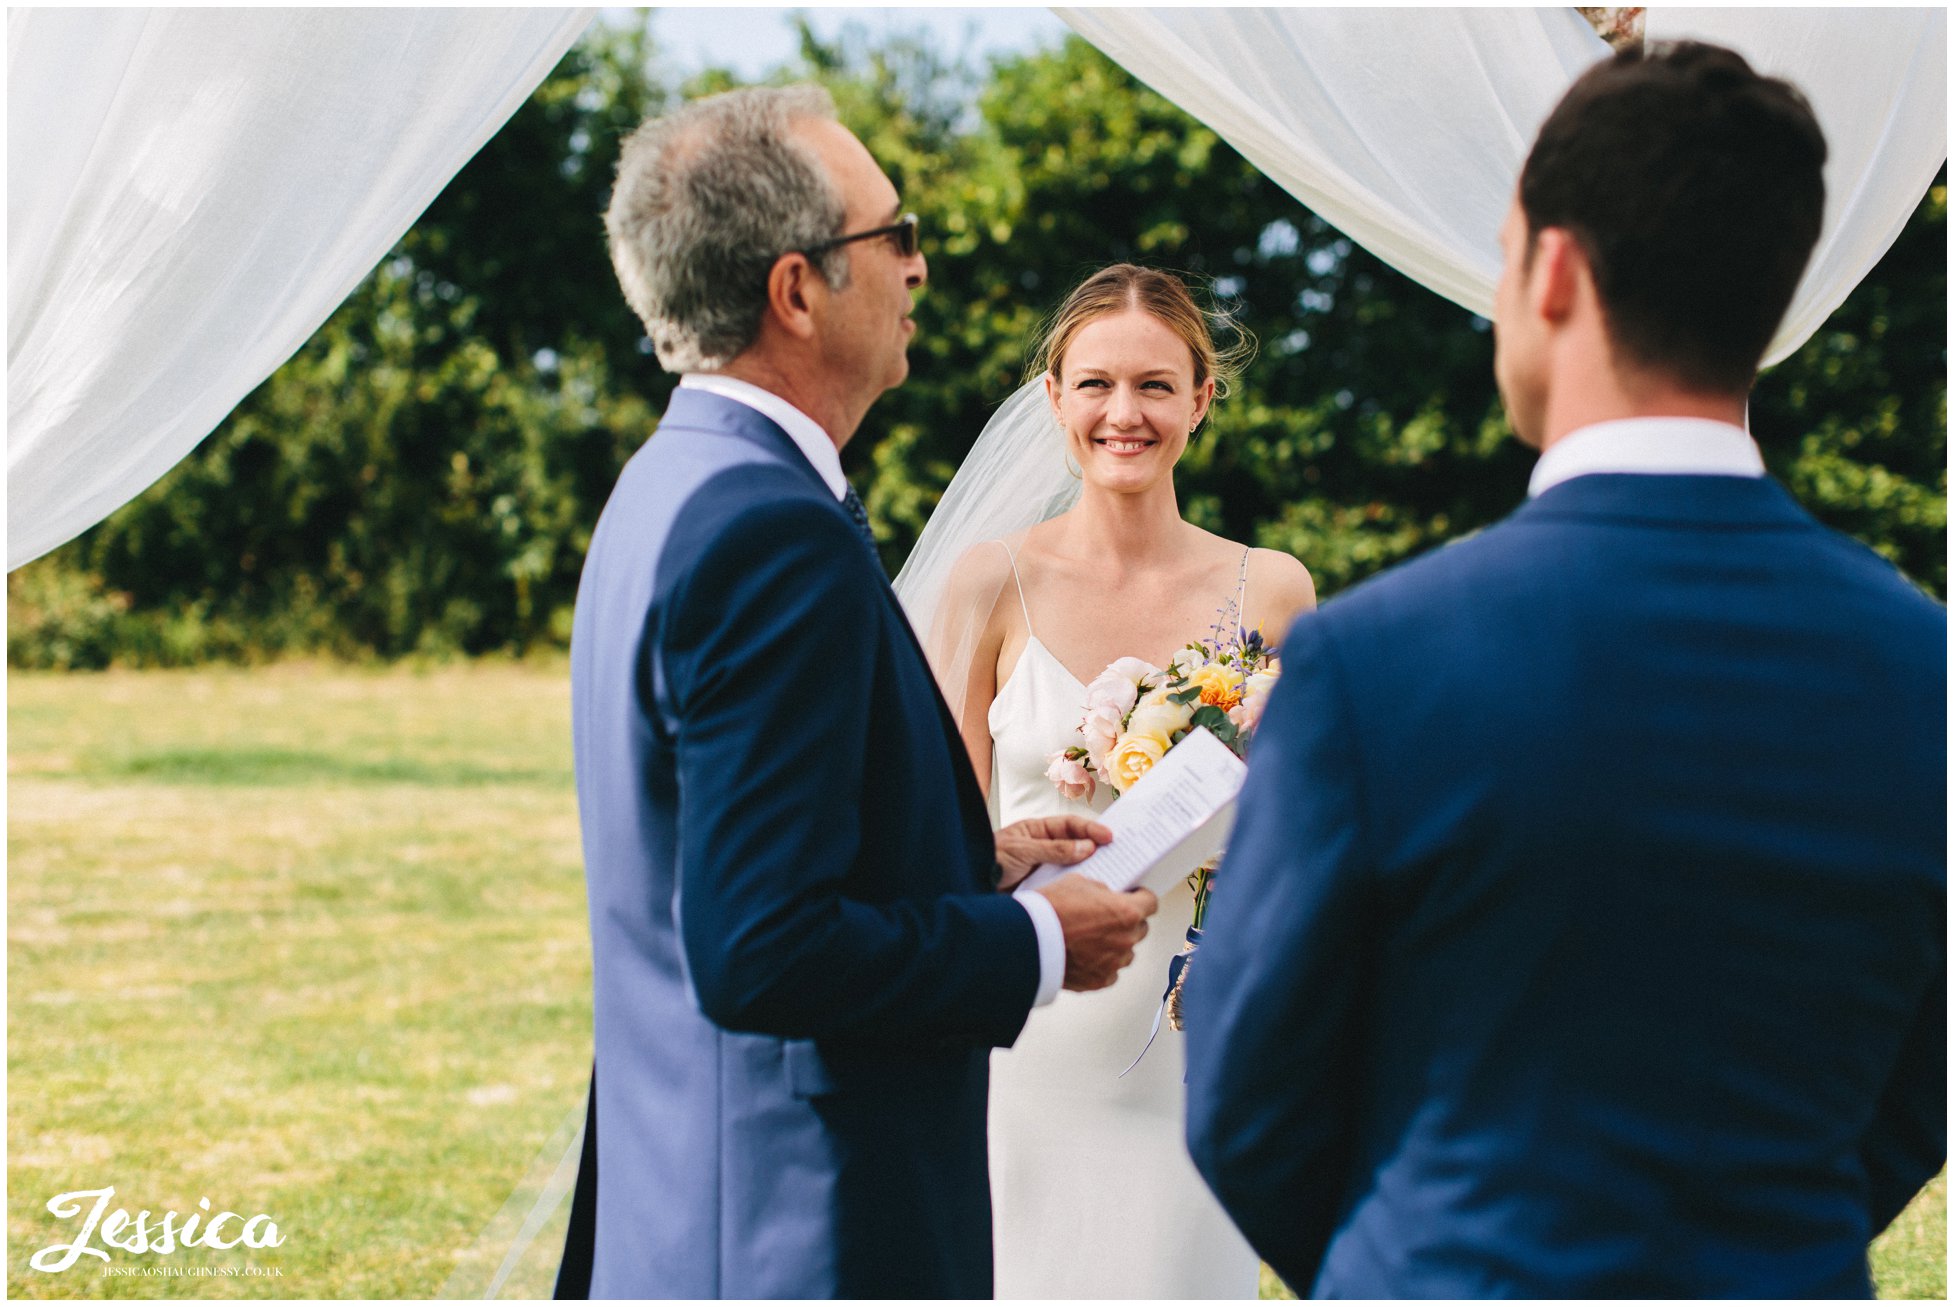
(1124, 286)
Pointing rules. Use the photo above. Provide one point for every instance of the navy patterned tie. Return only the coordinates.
(853, 503)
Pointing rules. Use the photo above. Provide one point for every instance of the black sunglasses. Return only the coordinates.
(902, 229)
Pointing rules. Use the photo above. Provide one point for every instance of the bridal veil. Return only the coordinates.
(1014, 477)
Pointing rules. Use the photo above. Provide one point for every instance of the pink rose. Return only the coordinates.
(1255, 694)
(1101, 763)
(1119, 685)
(1070, 775)
(1100, 730)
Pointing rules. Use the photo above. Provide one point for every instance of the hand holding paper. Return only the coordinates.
(1102, 927)
(1024, 846)
(1175, 818)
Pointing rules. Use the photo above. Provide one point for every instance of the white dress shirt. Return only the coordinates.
(820, 451)
(1650, 446)
(816, 445)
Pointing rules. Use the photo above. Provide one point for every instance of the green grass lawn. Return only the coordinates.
(310, 941)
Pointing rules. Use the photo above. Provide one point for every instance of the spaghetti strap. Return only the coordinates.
(1012, 554)
(1241, 594)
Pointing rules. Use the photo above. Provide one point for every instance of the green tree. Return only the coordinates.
(424, 474)
(1856, 422)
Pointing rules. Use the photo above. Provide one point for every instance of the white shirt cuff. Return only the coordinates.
(1051, 946)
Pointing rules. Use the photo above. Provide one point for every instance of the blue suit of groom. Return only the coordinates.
(1582, 932)
(800, 965)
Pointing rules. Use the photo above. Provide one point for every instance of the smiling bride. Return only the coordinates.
(1093, 1193)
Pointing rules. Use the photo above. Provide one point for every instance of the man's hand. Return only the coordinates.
(1023, 845)
(1101, 926)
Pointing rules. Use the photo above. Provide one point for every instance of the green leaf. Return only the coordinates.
(1213, 718)
(1217, 721)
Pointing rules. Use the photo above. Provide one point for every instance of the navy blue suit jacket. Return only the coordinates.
(1582, 931)
(800, 965)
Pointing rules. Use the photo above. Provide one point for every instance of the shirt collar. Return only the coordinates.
(1659, 446)
(804, 431)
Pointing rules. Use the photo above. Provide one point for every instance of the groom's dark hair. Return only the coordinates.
(1696, 188)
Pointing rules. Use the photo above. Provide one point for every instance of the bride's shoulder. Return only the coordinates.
(1278, 583)
(979, 573)
(1279, 568)
(1266, 567)
(1280, 588)
(987, 559)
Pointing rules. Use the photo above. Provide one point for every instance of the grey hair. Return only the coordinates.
(707, 198)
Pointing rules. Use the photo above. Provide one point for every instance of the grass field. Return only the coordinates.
(306, 942)
(310, 942)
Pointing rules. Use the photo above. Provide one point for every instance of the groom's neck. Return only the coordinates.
(804, 388)
(1614, 393)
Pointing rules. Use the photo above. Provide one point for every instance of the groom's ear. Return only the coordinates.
(792, 286)
(1557, 274)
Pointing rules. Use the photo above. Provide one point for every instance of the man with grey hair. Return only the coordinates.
(801, 956)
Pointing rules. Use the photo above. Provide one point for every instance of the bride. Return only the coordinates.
(1093, 1194)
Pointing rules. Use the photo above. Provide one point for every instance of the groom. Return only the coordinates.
(1582, 933)
(801, 960)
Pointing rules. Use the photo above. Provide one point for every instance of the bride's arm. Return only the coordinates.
(963, 647)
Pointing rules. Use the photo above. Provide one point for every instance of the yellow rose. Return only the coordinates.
(1146, 740)
(1134, 756)
(1158, 717)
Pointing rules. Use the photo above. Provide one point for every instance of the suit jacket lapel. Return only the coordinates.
(701, 410)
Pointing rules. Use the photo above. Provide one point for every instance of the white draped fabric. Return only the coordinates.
(1403, 128)
(1877, 78)
(1406, 128)
(191, 192)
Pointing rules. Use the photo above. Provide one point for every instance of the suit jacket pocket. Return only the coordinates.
(808, 1073)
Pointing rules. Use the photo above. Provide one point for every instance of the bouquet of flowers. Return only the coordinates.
(1135, 712)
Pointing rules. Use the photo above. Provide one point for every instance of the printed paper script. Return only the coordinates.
(1175, 818)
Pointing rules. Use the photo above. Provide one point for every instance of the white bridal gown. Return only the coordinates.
(1092, 1191)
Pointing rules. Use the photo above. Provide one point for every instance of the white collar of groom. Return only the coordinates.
(1650, 447)
(804, 431)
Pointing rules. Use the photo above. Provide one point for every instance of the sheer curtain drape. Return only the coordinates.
(191, 192)
(1406, 128)
(1877, 79)
(1403, 128)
